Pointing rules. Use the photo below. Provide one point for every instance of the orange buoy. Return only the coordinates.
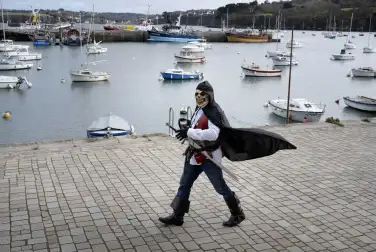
(6, 115)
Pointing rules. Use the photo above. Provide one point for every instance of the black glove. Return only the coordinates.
(182, 134)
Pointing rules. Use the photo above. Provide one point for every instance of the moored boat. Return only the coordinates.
(12, 63)
(179, 74)
(110, 125)
(10, 82)
(363, 72)
(247, 38)
(23, 54)
(300, 109)
(294, 44)
(87, 75)
(361, 103)
(255, 71)
(283, 60)
(162, 36)
(278, 53)
(189, 57)
(193, 48)
(201, 43)
(343, 56)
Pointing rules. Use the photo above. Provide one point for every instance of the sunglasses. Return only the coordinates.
(200, 94)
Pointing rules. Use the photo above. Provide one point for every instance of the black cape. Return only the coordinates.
(239, 144)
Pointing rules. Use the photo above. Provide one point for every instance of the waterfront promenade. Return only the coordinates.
(106, 195)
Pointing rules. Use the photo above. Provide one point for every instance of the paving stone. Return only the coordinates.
(106, 195)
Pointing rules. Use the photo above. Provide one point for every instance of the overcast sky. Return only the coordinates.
(138, 6)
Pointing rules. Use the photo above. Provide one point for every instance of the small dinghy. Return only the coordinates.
(255, 71)
(110, 125)
(301, 110)
(361, 103)
(179, 74)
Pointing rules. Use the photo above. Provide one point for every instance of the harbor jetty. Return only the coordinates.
(107, 194)
(115, 36)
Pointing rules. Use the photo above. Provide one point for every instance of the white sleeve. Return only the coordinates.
(210, 134)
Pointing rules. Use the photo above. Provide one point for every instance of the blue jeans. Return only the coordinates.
(213, 172)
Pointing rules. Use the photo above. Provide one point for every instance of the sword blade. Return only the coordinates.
(232, 175)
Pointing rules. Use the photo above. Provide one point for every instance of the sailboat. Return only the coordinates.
(94, 48)
(278, 52)
(84, 74)
(368, 48)
(349, 44)
(295, 109)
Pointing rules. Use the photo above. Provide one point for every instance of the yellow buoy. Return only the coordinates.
(6, 115)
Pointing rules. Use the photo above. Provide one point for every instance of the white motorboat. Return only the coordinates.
(96, 48)
(283, 60)
(255, 71)
(361, 103)
(278, 53)
(10, 82)
(23, 54)
(301, 110)
(201, 43)
(11, 63)
(294, 44)
(87, 75)
(364, 72)
(189, 57)
(343, 56)
(193, 48)
(110, 125)
(7, 45)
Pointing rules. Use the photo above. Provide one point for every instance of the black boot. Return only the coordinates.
(237, 214)
(180, 207)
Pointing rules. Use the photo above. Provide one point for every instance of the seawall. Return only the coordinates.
(123, 36)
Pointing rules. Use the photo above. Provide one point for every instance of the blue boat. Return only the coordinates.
(41, 42)
(179, 74)
(110, 125)
(160, 36)
(41, 39)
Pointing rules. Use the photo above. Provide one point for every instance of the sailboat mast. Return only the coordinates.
(289, 86)
(369, 29)
(2, 19)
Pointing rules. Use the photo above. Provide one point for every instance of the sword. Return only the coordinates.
(192, 143)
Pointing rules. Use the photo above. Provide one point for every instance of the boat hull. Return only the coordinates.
(181, 59)
(359, 105)
(297, 116)
(261, 73)
(239, 38)
(277, 62)
(171, 37)
(350, 46)
(5, 67)
(102, 133)
(42, 42)
(86, 78)
(277, 53)
(96, 50)
(171, 76)
(369, 50)
(363, 73)
(343, 57)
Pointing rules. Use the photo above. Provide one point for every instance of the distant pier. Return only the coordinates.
(115, 36)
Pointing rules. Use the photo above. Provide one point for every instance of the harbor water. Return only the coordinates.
(55, 108)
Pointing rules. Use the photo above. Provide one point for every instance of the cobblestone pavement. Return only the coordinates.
(106, 195)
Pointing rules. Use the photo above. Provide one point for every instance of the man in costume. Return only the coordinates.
(210, 128)
(207, 133)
